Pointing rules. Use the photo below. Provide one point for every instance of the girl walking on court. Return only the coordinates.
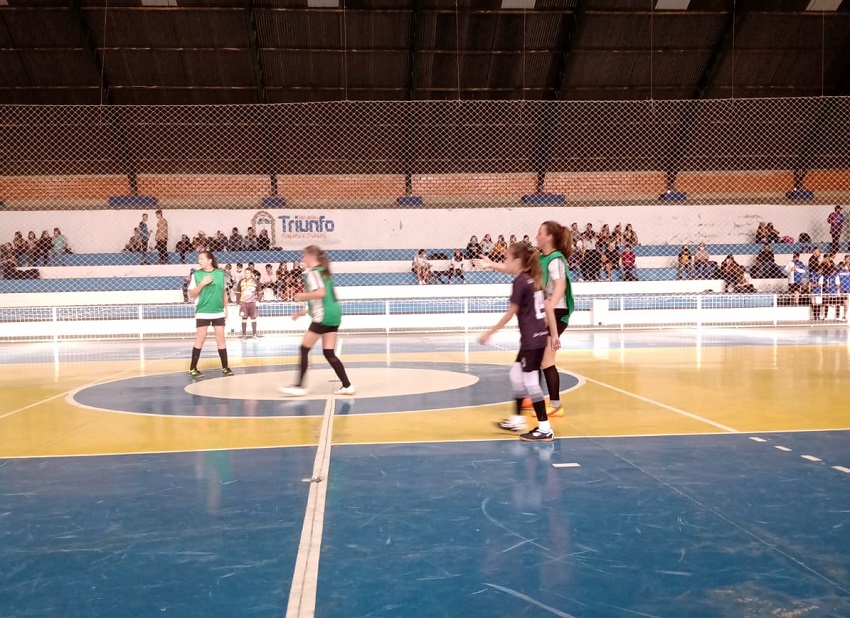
(326, 313)
(536, 320)
(207, 286)
(555, 243)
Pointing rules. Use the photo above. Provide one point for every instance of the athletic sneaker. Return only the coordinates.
(258, 336)
(226, 372)
(536, 435)
(345, 390)
(510, 425)
(195, 373)
(293, 391)
(559, 411)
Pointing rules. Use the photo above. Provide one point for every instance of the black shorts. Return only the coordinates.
(203, 322)
(562, 326)
(530, 359)
(321, 329)
(248, 310)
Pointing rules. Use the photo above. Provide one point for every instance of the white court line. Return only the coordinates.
(305, 579)
(566, 465)
(841, 469)
(783, 448)
(758, 439)
(811, 457)
(663, 405)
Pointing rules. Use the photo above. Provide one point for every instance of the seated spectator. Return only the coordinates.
(20, 249)
(500, 250)
(591, 263)
(575, 231)
(628, 261)
(742, 281)
(201, 242)
(576, 258)
(844, 284)
(684, 264)
(264, 243)
(134, 245)
(8, 266)
(704, 268)
(589, 235)
(604, 237)
(60, 248)
(630, 237)
(761, 233)
(236, 243)
(32, 248)
(421, 267)
(267, 279)
(281, 282)
(296, 276)
(617, 235)
(250, 240)
(456, 266)
(796, 271)
(771, 233)
(43, 248)
(487, 246)
(512, 240)
(729, 273)
(218, 242)
(526, 240)
(184, 246)
(229, 283)
(765, 266)
(610, 258)
(473, 248)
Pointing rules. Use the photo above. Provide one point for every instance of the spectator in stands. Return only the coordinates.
(473, 248)
(281, 282)
(526, 240)
(144, 237)
(487, 246)
(836, 224)
(589, 235)
(814, 261)
(8, 264)
(630, 236)
(297, 277)
(610, 258)
(500, 249)
(229, 283)
(43, 248)
(184, 246)
(729, 273)
(456, 266)
(742, 280)
(604, 238)
(831, 288)
(421, 267)
(237, 243)
(161, 237)
(844, 284)
(684, 263)
(576, 233)
(591, 262)
(796, 271)
(186, 284)
(201, 242)
(59, 249)
(816, 295)
(628, 261)
(771, 233)
(250, 239)
(575, 260)
(617, 235)
(134, 245)
(19, 248)
(264, 243)
(761, 233)
(267, 279)
(218, 242)
(704, 268)
(765, 266)
(32, 248)
(512, 240)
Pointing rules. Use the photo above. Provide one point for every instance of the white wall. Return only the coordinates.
(107, 231)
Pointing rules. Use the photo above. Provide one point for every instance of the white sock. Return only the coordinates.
(544, 426)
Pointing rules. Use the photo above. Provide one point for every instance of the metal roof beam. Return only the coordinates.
(574, 30)
(256, 63)
(91, 50)
(738, 10)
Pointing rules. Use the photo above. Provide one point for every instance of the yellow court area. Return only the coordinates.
(89, 398)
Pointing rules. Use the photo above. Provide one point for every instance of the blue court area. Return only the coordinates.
(702, 526)
(680, 482)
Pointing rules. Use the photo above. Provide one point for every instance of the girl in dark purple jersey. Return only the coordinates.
(536, 320)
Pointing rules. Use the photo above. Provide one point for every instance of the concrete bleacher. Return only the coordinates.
(118, 277)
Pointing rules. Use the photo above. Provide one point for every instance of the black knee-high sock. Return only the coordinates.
(222, 354)
(254, 327)
(302, 369)
(553, 383)
(336, 364)
(540, 411)
(244, 327)
(196, 354)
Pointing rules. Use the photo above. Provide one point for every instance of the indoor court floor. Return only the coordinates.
(696, 473)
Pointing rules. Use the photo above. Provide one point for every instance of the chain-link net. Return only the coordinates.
(668, 201)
